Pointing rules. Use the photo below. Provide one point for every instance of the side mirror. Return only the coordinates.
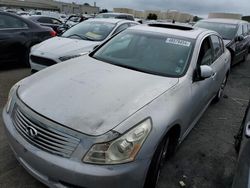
(206, 71)
(239, 38)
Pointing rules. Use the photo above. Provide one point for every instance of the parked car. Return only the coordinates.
(242, 145)
(47, 21)
(78, 40)
(112, 117)
(17, 35)
(71, 21)
(116, 15)
(234, 33)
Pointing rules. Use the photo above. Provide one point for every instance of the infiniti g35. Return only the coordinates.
(111, 118)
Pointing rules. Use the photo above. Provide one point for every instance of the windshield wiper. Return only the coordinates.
(76, 36)
(88, 38)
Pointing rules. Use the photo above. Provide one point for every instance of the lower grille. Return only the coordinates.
(42, 60)
(44, 137)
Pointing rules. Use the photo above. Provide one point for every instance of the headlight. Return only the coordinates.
(65, 58)
(11, 93)
(121, 150)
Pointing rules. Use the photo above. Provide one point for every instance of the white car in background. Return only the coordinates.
(77, 41)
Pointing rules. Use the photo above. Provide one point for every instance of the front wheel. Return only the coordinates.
(221, 90)
(157, 163)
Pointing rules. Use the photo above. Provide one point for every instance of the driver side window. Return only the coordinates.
(206, 53)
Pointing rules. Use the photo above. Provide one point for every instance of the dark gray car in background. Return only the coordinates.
(235, 34)
(46, 21)
(17, 35)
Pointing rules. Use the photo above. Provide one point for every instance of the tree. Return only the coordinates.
(196, 19)
(152, 16)
(103, 11)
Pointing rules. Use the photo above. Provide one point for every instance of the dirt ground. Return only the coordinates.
(206, 159)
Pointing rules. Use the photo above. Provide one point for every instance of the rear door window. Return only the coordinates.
(9, 22)
(45, 20)
(245, 29)
(240, 30)
(55, 21)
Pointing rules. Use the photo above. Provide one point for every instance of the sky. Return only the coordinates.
(196, 7)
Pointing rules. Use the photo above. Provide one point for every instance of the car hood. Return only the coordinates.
(91, 96)
(60, 46)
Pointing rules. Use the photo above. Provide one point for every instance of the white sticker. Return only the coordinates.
(178, 42)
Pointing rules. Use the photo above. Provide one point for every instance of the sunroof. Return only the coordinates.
(171, 26)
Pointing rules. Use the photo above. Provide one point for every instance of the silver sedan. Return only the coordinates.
(111, 118)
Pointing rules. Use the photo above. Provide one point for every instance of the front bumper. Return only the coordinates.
(56, 171)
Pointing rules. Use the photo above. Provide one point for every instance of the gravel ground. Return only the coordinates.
(206, 159)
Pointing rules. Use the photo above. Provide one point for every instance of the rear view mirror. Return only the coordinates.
(239, 38)
(206, 71)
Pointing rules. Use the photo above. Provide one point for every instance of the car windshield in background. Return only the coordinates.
(147, 52)
(96, 31)
(106, 16)
(227, 31)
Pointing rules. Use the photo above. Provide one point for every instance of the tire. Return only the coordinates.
(221, 90)
(162, 153)
(24, 57)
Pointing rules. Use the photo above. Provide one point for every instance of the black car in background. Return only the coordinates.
(17, 35)
(242, 145)
(235, 34)
(116, 15)
(47, 21)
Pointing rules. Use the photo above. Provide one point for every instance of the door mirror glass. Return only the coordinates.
(206, 71)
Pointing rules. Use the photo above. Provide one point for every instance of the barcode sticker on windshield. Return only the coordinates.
(178, 42)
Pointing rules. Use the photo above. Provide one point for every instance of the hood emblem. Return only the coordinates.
(31, 131)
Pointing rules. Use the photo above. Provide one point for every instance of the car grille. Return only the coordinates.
(42, 60)
(42, 136)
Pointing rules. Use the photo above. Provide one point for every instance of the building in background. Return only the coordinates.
(162, 15)
(68, 8)
(224, 15)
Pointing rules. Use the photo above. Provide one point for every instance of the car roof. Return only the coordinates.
(172, 29)
(109, 20)
(221, 20)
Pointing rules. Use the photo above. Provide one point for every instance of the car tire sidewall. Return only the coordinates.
(220, 92)
(155, 166)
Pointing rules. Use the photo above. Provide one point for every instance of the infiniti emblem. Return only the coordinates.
(32, 132)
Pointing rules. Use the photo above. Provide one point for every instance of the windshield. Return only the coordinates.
(90, 30)
(146, 52)
(227, 31)
(106, 16)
